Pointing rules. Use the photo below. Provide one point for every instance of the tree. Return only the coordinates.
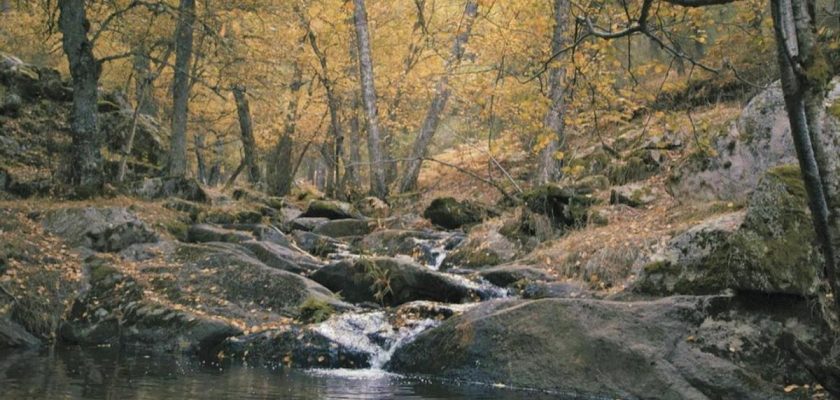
(181, 88)
(86, 164)
(379, 188)
(441, 97)
(550, 165)
(246, 128)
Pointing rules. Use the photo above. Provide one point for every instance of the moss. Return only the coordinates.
(100, 270)
(314, 311)
(177, 229)
(791, 176)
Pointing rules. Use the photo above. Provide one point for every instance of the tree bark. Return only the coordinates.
(199, 158)
(816, 147)
(86, 162)
(379, 188)
(280, 173)
(550, 167)
(181, 88)
(442, 93)
(215, 176)
(143, 79)
(246, 127)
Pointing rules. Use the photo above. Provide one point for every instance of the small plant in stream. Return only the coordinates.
(381, 278)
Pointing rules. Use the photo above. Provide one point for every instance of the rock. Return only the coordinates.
(318, 245)
(15, 336)
(506, 275)
(231, 215)
(277, 256)
(330, 210)
(637, 167)
(391, 281)
(449, 213)
(150, 139)
(554, 290)
(115, 311)
(298, 347)
(307, 224)
(392, 242)
(263, 233)
(11, 104)
(99, 229)
(769, 248)
(592, 183)
(344, 228)
(373, 207)
(658, 349)
(633, 195)
(566, 207)
(759, 140)
(189, 207)
(204, 233)
(160, 188)
(485, 246)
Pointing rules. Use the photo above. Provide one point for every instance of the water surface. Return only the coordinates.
(104, 373)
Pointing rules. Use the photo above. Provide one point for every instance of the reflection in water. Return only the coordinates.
(107, 374)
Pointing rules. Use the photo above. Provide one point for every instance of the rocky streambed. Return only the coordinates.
(261, 283)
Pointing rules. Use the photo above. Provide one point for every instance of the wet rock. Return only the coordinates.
(298, 347)
(637, 350)
(280, 257)
(99, 229)
(344, 228)
(449, 213)
(391, 281)
(161, 188)
(506, 275)
(307, 224)
(318, 245)
(15, 336)
(554, 290)
(633, 195)
(566, 207)
(204, 233)
(330, 210)
(769, 248)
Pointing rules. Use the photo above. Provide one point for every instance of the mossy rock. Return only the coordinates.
(566, 207)
(449, 213)
(769, 248)
(634, 169)
(330, 210)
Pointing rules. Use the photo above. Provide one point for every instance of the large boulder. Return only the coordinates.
(318, 245)
(769, 248)
(392, 281)
(100, 229)
(12, 335)
(115, 309)
(759, 140)
(449, 213)
(510, 274)
(672, 348)
(330, 210)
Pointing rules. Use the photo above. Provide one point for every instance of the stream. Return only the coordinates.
(130, 373)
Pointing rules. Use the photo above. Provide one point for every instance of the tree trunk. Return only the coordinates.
(280, 173)
(199, 158)
(181, 88)
(442, 92)
(378, 186)
(246, 127)
(215, 176)
(143, 78)
(352, 175)
(816, 148)
(550, 166)
(86, 163)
